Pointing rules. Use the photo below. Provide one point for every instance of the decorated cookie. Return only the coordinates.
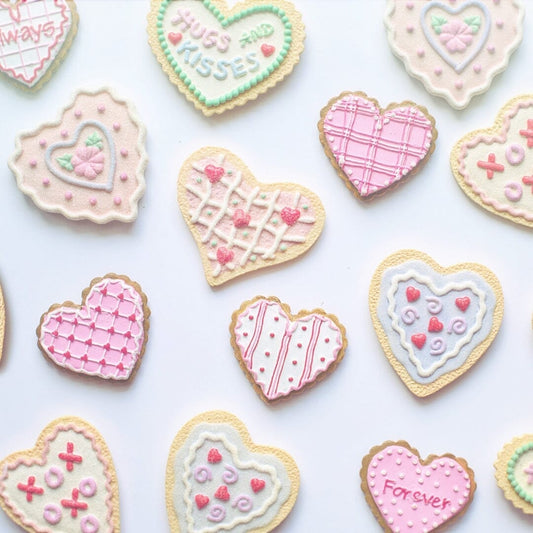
(282, 353)
(239, 224)
(89, 164)
(433, 322)
(514, 472)
(220, 58)
(494, 166)
(35, 36)
(454, 47)
(219, 480)
(407, 493)
(106, 336)
(373, 149)
(65, 484)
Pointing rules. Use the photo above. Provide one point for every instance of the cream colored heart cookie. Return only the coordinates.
(218, 480)
(221, 57)
(239, 224)
(66, 484)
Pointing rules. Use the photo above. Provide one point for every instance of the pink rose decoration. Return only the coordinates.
(88, 162)
(456, 36)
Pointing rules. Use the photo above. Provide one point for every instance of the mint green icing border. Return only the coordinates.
(511, 468)
(225, 23)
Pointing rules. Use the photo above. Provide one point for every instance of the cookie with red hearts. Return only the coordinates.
(493, 166)
(218, 479)
(35, 36)
(221, 57)
(281, 353)
(105, 336)
(408, 493)
(373, 149)
(454, 47)
(240, 224)
(88, 164)
(66, 483)
(433, 323)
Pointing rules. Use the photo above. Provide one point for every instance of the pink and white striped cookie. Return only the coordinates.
(282, 353)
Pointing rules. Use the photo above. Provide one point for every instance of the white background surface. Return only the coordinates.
(189, 366)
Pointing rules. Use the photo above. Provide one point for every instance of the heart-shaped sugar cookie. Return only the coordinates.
(373, 149)
(281, 353)
(219, 57)
(66, 483)
(106, 336)
(218, 480)
(35, 36)
(239, 224)
(433, 323)
(407, 493)
(493, 167)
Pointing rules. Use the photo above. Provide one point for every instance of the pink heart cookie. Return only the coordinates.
(281, 353)
(66, 484)
(239, 224)
(106, 336)
(455, 47)
(407, 493)
(89, 164)
(373, 149)
(494, 166)
(35, 36)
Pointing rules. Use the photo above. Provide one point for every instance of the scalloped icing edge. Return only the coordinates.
(88, 215)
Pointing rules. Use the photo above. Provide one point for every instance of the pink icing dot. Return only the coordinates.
(52, 514)
(477, 68)
(46, 182)
(420, 52)
(64, 133)
(88, 487)
(117, 200)
(116, 126)
(491, 48)
(42, 143)
(410, 28)
(499, 23)
(123, 152)
(68, 195)
(409, 5)
(101, 108)
(92, 201)
(123, 177)
(459, 84)
(33, 163)
(77, 113)
(438, 71)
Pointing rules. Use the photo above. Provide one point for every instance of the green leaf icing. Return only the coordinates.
(95, 140)
(64, 161)
(437, 23)
(474, 23)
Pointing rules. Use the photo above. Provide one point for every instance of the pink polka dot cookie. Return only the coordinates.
(105, 336)
(374, 149)
(239, 224)
(218, 479)
(88, 164)
(454, 47)
(282, 353)
(35, 36)
(66, 484)
(407, 493)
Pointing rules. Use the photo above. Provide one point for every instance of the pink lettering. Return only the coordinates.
(435, 503)
(388, 485)
(446, 502)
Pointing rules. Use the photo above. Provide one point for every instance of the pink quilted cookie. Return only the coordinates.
(407, 493)
(105, 336)
(374, 149)
(89, 164)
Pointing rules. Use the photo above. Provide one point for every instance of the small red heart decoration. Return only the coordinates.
(257, 484)
(462, 303)
(214, 456)
(418, 340)
(224, 255)
(412, 294)
(267, 49)
(435, 325)
(290, 216)
(213, 173)
(174, 37)
(240, 218)
(222, 493)
(201, 500)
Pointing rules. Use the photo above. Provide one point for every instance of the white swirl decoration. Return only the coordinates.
(243, 503)
(217, 513)
(230, 475)
(203, 474)
(409, 315)
(457, 325)
(437, 346)
(434, 305)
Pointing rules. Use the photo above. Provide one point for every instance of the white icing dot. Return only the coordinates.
(372, 484)
(374, 464)
(376, 493)
(398, 461)
(401, 475)
(393, 501)
(400, 512)
(421, 481)
(427, 473)
(372, 474)
(400, 451)
(437, 512)
(435, 524)
(380, 502)
(385, 512)
(418, 471)
(436, 484)
(389, 452)
(383, 472)
(414, 506)
(409, 524)
(434, 466)
(447, 473)
(455, 488)
(424, 520)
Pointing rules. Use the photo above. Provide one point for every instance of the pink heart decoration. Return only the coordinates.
(267, 49)
(104, 337)
(373, 148)
(240, 218)
(462, 303)
(419, 339)
(257, 484)
(290, 216)
(213, 173)
(224, 256)
(412, 293)
(201, 500)
(174, 37)
(435, 325)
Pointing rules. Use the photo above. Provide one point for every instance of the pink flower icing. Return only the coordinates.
(456, 36)
(88, 161)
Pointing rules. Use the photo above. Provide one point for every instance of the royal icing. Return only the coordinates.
(66, 483)
(105, 337)
(455, 47)
(520, 472)
(282, 355)
(239, 224)
(34, 37)
(220, 59)
(373, 148)
(494, 166)
(87, 165)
